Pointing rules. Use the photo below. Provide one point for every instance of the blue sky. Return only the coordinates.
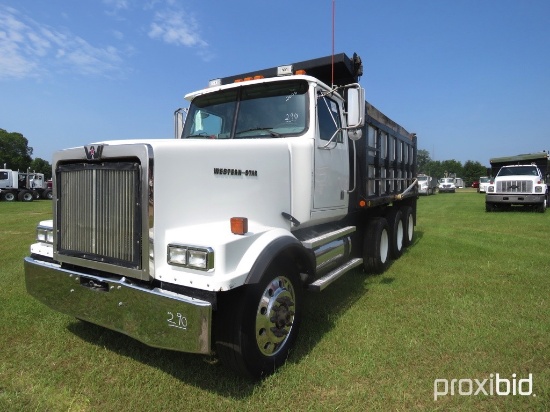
(470, 77)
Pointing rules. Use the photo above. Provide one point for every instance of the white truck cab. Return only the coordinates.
(447, 184)
(517, 185)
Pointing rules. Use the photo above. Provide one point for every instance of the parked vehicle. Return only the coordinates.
(519, 180)
(484, 181)
(24, 186)
(447, 185)
(284, 184)
(475, 184)
(427, 185)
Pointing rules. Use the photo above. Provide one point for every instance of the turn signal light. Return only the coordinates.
(239, 225)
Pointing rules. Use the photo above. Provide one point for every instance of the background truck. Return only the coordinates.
(519, 180)
(286, 180)
(484, 181)
(23, 186)
(447, 185)
(427, 185)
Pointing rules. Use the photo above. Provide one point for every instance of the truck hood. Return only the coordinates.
(203, 181)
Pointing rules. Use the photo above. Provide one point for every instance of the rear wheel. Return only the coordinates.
(258, 325)
(376, 246)
(395, 221)
(25, 196)
(408, 222)
(47, 194)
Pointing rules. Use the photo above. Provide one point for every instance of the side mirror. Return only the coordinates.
(356, 107)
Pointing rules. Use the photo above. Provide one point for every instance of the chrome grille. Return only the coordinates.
(98, 212)
(515, 186)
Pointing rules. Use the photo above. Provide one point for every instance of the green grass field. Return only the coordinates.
(468, 300)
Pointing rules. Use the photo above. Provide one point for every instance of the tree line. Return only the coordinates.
(16, 154)
(470, 171)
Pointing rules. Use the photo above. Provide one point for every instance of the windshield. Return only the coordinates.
(422, 178)
(484, 180)
(264, 110)
(518, 170)
(447, 180)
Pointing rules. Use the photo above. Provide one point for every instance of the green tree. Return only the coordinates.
(15, 152)
(422, 160)
(452, 167)
(473, 171)
(41, 166)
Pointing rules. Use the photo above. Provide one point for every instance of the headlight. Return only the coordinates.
(538, 189)
(490, 189)
(44, 234)
(191, 257)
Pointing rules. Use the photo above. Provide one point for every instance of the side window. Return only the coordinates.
(3, 175)
(206, 124)
(329, 119)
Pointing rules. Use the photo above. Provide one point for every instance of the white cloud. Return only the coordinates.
(177, 28)
(31, 49)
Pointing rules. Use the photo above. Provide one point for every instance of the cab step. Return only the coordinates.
(321, 283)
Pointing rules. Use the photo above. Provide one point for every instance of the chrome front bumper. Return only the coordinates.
(158, 318)
(515, 198)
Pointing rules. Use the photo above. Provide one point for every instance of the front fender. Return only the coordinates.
(283, 250)
(276, 245)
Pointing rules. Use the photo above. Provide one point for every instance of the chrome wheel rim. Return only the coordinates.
(275, 316)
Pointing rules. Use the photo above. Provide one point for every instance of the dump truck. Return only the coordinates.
(427, 185)
(519, 180)
(24, 186)
(278, 183)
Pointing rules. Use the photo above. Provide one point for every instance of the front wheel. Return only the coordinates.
(542, 207)
(8, 196)
(258, 326)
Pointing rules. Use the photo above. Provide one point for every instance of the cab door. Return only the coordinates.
(331, 171)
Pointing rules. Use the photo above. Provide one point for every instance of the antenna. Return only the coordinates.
(333, 12)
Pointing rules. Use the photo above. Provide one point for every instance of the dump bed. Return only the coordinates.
(386, 161)
(540, 159)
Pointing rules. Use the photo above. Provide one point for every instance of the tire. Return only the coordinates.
(542, 207)
(25, 196)
(376, 246)
(8, 196)
(408, 225)
(397, 232)
(47, 194)
(256, 326)
(489, 207)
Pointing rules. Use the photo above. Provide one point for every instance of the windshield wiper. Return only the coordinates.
(267, 129)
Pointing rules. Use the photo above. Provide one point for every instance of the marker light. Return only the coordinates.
(239, 225)
(215, 82)
(300, 72)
